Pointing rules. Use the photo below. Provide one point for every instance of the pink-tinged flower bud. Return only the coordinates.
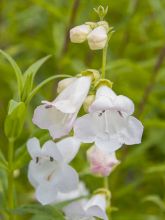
(97, 38)
(101, 163)
(79, 33)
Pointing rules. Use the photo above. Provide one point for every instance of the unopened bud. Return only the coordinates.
(88, 101)
(101, 163)
(97, 38)
(79, 33)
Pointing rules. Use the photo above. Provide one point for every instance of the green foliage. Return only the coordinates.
(33, 29)
(15, 119)
(46, 212)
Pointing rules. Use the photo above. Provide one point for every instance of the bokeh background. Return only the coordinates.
(32, 29)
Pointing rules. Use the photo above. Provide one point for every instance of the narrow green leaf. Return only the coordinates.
(43, 83)
(37, 209)
(156, 200)
(29, 76)
(32, 70)
(3, 162)
(17, 71)
(15, 119)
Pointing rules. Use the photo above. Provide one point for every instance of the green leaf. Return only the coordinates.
(156, 200)
(15, 119)
(17, 71)
(160, 168)
(37, 209)
(3, 162)
(22, 157)
(43, 83)
(29, 76)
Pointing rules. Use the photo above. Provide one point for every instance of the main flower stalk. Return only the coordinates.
(104, 60)
(10, 178)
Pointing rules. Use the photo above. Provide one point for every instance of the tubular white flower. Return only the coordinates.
(58, 116)
(87, 210)
(79, 33)
(49, 171)
(109, 123)
(97, 38)
(101, 163)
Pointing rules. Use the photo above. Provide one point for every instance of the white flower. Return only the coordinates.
(79, 192)
(109, 123)
(79, 33)
(97, 38)
(87, 210)
(101, 163)
(49, 171)
(58, 116)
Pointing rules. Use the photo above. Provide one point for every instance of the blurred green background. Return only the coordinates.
(31, 29)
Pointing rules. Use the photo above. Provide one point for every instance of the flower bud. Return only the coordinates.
(97, 38)
(64, 83)
(88, 101)
(101, 163)
(79, 33)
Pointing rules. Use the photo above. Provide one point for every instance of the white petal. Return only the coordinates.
(64, 83)
(31, 176)
(68, 148)
(97, 200)
(105, 97)
(73, 96)
(105, 91)
(46, 193)
(50, 150)
(96, 211)
(63, 125)
(58, 123)
(97, 38)
(124, 104)
(33, 146)
(81, 191)
(45, 117)
(96, 207)
(132, 134)
(41, 170)
(75, 209)
(101, 104)
(67, 179)
(108, 145)
(84, 128)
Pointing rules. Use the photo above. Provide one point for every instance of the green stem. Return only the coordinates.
(104, 56)
(108, 198)
(10, 178)
(104, 60)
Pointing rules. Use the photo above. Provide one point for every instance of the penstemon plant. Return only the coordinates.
(106, 126)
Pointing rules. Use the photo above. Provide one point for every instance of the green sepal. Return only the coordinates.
(103, 82)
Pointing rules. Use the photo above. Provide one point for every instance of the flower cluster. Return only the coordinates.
(95, 33)
(107, 125)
